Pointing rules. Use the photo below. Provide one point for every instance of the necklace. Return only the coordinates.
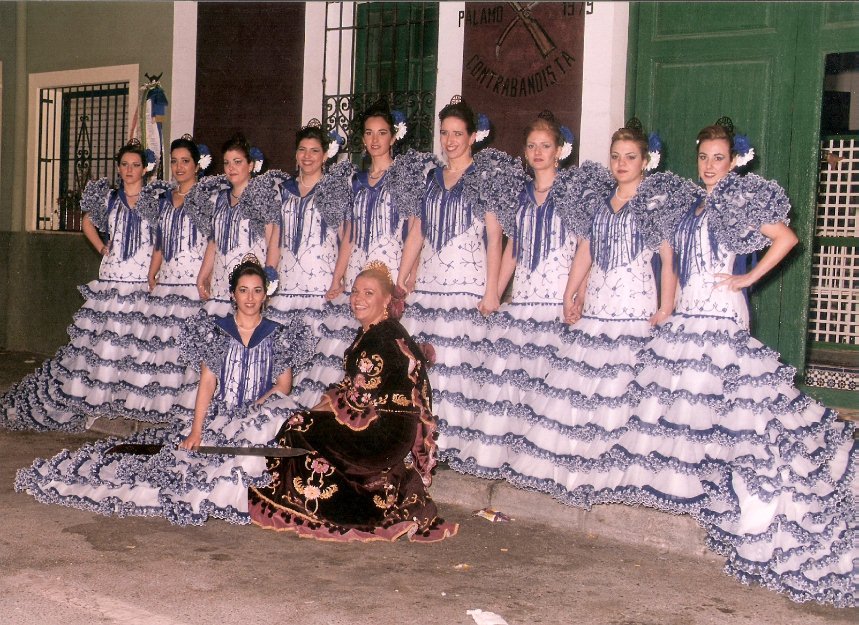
(304, 184)
(544, 189)
(234, 196)
(621, 198)
(253, 327)
(456, 171)
(181, 193)
(131, 195)
(373, 176)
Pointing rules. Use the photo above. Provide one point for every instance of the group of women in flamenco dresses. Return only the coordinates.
(601, 355)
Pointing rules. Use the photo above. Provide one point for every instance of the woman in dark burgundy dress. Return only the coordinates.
(371, 439)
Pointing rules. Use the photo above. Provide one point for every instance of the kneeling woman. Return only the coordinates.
(354, 484)
(246, 364)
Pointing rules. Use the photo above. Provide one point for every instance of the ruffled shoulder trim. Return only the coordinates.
(493, 185)
(149, 203)
(201, 199)
(334, 194)
(202, 340)
(260, 203)
(578, 192)
(94, 201)
(659, 203)
(406, 180)
(740, 206)
(294, 345)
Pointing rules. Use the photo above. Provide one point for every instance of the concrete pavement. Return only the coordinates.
(615, 565)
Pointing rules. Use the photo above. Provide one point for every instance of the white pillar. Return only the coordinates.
(314, 43)
(184, 79)
(604, 78)
(451, 43)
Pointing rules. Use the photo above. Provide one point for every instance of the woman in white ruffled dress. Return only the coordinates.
(310, 231)
(245, 216)
(246, 363)
(94, 373)
(180, 240)
(767, 471)
(524, 340)
(457, 238)
(378, 202)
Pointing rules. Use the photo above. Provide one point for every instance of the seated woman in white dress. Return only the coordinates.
(246, 363)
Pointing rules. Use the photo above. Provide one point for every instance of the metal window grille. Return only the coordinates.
(834, 309)
(81, 128)
(380, 49)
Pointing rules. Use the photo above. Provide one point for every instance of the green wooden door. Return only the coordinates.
(762, 65)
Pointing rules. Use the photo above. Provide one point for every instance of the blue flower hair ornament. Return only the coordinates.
(654, 150)
(271, 279)
(567, 147)
(151, 160)
(205, 157)
(743, 148)
(484, 127)
(400, 125)
(335, 142)
(258, 158)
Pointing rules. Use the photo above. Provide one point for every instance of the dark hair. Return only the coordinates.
(722, 129)
(188, 144)
(379, 108)
(238, 143)
(546, 121)
(132, 147)
(312, 132)
(460, 110)
(633, 131)
(248, 267)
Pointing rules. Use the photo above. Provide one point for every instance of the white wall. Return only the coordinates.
(184, 79)
(604, 79)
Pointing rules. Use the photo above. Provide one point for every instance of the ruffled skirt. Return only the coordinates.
(103, 367)
(770, 471)
(184, 487)
(552, 413)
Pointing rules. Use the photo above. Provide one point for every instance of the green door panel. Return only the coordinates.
(762, 65)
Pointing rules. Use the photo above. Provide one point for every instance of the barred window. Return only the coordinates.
(380, 49)
(81, 128)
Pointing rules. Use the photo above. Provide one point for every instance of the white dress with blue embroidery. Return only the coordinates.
(767, 471)
(377, 215)
(187, 487)
(524, 343)
(451, 279)
(236, 230)
(180, 236)
(97, 370)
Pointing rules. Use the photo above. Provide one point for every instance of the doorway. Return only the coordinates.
(833, 314)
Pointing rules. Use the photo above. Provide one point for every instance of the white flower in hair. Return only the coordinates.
(483, 128)
(567, 147)
(400, 127)
(335, 141)
(654, 150)
(258, 159)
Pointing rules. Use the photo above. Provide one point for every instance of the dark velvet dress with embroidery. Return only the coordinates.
(355, 483)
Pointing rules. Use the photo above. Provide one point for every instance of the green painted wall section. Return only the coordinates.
(40, 272)
(761, 64)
